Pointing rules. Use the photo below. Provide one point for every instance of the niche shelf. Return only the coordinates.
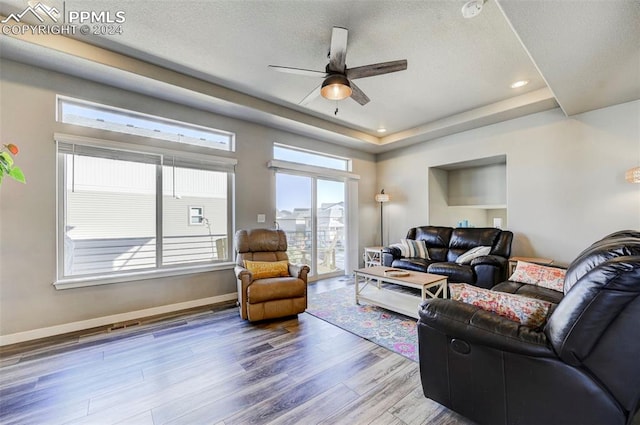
(474, 190)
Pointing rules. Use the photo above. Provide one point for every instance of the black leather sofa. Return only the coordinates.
(446, 244)
(581, 368)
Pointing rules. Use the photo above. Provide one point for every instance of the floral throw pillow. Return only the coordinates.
(414, 249)
(535, 274)
(526, 311)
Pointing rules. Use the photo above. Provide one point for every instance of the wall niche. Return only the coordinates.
(469, 193)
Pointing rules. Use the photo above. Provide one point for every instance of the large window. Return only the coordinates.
(123, 211)
(142, 205)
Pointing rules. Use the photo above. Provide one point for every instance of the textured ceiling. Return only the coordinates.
(459, 70)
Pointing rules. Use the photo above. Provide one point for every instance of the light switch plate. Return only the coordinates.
(262, 218)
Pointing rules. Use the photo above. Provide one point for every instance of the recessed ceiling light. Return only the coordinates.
(520, 83)
(472, 8)
(382, 130)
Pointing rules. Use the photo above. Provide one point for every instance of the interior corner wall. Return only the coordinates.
(565, 177)
(28, 300)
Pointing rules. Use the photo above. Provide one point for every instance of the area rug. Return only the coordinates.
(393, 331)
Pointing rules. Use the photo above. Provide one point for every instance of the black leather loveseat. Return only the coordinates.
(580, 367)
(446, 244)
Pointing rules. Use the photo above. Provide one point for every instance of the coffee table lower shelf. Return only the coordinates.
(391, 300)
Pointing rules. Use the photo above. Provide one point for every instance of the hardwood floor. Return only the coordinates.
(211, 367)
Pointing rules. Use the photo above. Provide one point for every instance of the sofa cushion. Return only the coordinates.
(619, 244)
(531, 291)
(524, 310)
(465, 238)
(414, 249)
(435, 237)
(535, 274)
(455, 272)
(473, 253)
(415, 264)
(280, 288)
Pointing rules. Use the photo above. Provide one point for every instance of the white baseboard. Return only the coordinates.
(109, 320)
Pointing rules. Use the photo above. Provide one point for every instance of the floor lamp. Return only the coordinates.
(382, 198)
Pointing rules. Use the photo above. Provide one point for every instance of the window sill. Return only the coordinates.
(81, 282)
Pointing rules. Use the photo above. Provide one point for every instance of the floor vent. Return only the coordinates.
(123, 325)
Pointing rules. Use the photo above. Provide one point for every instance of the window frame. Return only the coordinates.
(347, 161)
(61, 100)
(216, 162)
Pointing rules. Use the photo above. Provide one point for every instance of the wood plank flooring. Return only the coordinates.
(211, 367)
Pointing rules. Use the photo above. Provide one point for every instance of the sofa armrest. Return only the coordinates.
(477, 326)
(390, 253)
(299, 270)
(490, 260)
(490, 270)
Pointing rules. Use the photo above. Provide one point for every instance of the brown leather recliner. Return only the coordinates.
(271, 297)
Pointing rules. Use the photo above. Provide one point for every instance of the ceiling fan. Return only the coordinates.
(337, 83)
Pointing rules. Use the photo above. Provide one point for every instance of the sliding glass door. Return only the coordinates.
(311, 211)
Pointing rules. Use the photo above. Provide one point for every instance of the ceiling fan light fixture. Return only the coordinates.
(336, 87)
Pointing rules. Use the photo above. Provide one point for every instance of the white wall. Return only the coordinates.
(28, 299)
(565, 177)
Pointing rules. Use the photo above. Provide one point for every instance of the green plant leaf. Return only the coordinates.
(6, 158)
(16, 174)
(4, 168)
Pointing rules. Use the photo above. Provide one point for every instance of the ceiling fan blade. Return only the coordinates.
(358, 95)
(311, 96)
(298, 71)
(376, 69)
(338, 52)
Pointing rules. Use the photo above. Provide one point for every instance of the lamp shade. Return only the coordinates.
(382, 197)
(336, 87)
(633, 175)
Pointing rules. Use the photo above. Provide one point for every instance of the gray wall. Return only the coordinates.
(28, 212)
(565, 188)
(565, 177)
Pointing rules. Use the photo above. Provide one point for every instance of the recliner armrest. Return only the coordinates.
(299, 270)
(477, 326)
(243, 274)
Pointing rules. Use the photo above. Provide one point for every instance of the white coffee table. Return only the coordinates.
(369, 289)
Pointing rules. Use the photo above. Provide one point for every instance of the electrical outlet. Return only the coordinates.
(262, 218)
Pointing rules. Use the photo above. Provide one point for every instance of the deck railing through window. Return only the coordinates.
(94, 256)
(331, 249)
